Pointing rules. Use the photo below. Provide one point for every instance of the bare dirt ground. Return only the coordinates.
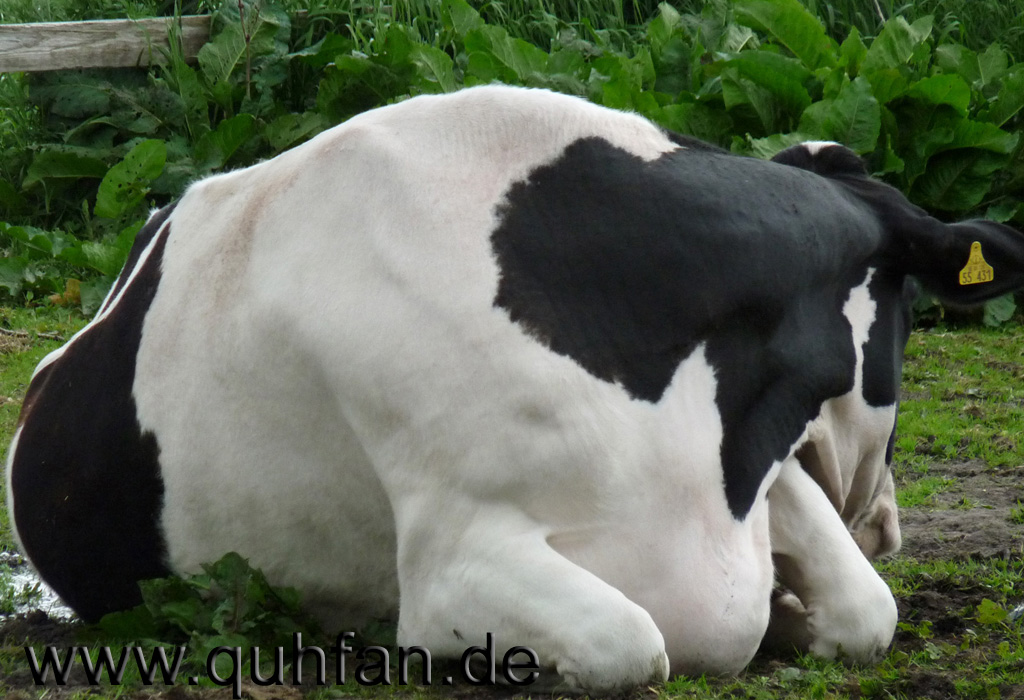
(978, 528)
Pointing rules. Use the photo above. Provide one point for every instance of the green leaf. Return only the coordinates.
(853, 118)
(12, 274)
(946, 89)
(519, 59)
(265, 32)
(1003, 211)
(997, 312)
(791, 25)
(891, 162)
(957, 58)
(323, 52)
(39, 243)
(767, 147)
(956, 180)
(895, 44)
(434, 66)
(737, 91)
(102, 257)
(782, 77)
(11, 200)
(216, 147)
(990, 612)
(93, 292)
(62, 164)
(458, 16)
(662, 28)
(735, 39)
(887, 84)
(1010, 99)
(289, 129)
(852, 52)
(992, 65)
(126, 184)
(73, 95)
(197, 118)
(988, 137)
(127, 625)
(706, 122)
(229, 569)
(617, 81)
(398, 48)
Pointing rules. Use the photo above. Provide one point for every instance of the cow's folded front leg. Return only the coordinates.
(848, 610)
(461, 580)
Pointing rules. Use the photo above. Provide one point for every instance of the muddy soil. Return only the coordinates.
(971, 520)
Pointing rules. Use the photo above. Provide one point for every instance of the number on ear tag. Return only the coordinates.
(977, 271)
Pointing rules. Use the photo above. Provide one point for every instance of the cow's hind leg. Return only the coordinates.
(499, 575)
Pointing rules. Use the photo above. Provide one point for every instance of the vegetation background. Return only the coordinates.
(930, 93)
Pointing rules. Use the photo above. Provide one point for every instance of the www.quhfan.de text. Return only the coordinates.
(519, 666)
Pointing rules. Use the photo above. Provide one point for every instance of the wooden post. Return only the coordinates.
(96, 44)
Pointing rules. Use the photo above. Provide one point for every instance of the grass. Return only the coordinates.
(963, 399)
(920, 492)
(974, 23)
(1017, 514)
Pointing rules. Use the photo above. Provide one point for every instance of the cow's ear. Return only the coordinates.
(967, 262)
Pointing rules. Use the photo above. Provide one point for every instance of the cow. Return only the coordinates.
(504, 361)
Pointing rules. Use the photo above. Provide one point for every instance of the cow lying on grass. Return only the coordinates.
(505, 361)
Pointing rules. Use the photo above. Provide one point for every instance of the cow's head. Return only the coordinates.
(849, 447)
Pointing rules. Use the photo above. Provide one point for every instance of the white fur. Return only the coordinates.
(815, 147)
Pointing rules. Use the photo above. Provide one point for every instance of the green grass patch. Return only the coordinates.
(920, 492)
(963, 399)
(997, 579)
(1017, 514)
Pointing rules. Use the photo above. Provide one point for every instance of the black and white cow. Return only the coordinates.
(505, 361)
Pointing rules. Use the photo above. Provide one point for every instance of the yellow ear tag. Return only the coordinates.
(977, 271)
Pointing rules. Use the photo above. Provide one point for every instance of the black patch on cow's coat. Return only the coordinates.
(887, 338)
(85, 478)
(626, 266)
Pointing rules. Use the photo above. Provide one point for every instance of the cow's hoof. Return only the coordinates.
(854, 631)
(616, 657)
(615, 678)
